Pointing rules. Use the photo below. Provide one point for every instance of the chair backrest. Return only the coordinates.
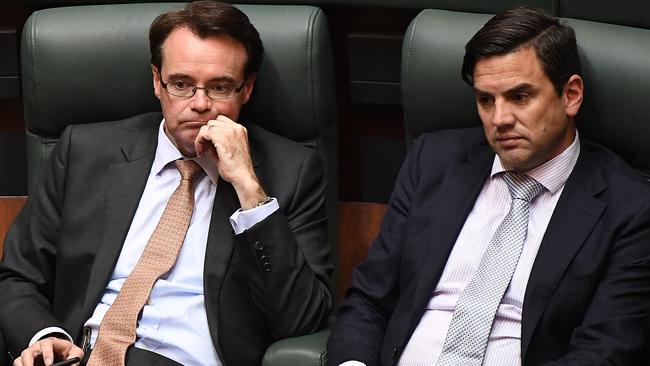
(615, 69)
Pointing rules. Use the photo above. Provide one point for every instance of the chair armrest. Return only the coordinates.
(308, 350)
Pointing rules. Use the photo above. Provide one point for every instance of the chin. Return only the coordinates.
(188, 153)
(513, 162)
(185, 144)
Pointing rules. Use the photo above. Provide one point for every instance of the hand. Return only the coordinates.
(225, 142)
(49, 349)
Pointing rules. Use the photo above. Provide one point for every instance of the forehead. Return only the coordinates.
(186, 53)
(514, 68)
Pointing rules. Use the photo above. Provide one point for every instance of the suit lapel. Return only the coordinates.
(124, 187)
(220, 235)
(456, 196)
(220, 238)
(221, 243)
(575, 215)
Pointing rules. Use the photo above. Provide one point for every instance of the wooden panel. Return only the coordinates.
(9, 208)
(358, 225)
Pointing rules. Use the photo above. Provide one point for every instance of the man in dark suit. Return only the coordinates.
(80, 235)
(579, 286)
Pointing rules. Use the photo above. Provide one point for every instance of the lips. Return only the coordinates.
(193, 124)
(508, 140)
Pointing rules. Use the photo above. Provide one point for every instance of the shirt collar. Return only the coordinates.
(167, 152)
(552, 174)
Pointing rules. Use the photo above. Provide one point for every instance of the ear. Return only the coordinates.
(572, 94)
(248, 88)
(156, 81)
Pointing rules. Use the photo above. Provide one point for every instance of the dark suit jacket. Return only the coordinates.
(63, 246)
(589, 286)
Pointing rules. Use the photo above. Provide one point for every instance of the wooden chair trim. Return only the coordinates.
(358, 225)
(9, 208)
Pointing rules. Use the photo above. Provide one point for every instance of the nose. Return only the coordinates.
(200, 101)
(503, 115)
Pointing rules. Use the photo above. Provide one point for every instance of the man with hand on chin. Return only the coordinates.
(251, 264)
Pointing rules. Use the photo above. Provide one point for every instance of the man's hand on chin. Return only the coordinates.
(48, 350)
(225, 142)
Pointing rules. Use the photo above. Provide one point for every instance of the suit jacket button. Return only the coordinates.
(258, 245)
(395, 352)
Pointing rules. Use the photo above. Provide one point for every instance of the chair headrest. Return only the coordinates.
(615, 70)
(86, 64)
(434, 97)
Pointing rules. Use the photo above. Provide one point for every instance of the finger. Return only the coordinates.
(47, 351)
(225, 119)
(204, 139)
(62, 347)
(208, 138)
(225, 125)
(28, 355)
(212, 154)
(18, 362)
(199, 141)
(198, 147)
(75, 352)
(233, 133)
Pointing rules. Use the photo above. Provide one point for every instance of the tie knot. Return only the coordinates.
(189, 169)
(521, 186)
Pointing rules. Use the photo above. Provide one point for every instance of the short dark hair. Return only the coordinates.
(206, 19)
(554, 43)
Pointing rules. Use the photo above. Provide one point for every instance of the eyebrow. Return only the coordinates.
(179, 76)
(523, 87)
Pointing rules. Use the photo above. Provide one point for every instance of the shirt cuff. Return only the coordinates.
(243, 220)
(48, 331)
(352, 363)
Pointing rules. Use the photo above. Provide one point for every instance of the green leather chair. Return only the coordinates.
(615, 69)
(86, 64)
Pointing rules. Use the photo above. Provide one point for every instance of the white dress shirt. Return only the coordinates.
(491, 207)
(173, 323)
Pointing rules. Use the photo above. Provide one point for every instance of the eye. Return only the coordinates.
(520, 97)
(180, 85)
(220, 89)
(484, 100)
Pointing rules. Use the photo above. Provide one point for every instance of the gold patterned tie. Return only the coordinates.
(117, 329)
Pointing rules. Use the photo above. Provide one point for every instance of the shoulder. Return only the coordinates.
(615, 168)
(455, 142)
(284, 166)
(266, 145)
(625, 185)
(107, 139)
(451, 145)
(132, 125)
